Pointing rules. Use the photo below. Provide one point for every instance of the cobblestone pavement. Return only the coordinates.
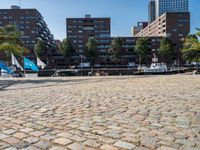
(108, 113)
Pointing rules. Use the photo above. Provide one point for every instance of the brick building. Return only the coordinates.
(175, 26)
(32, 26)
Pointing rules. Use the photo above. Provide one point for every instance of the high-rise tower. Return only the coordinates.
(152, 11)
(163, 6)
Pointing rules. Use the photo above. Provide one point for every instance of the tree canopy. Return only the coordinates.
(91, 50)
(10, 41)
(116, 49)
(142, 48)
(66, 47)
(40, 49)
(191, 47)
(166, 48)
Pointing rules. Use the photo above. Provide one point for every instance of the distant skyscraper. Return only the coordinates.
(152, 11)
(163, 6)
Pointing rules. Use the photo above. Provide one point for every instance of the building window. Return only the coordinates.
(181, 35)
(88, 28)
(104, 35)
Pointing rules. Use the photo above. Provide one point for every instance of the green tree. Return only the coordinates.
(166, 48)
(91, 52)
(191, 48)
(116, 49)
(142, 48)
(40, 49)
(10, 41)
(66, 48)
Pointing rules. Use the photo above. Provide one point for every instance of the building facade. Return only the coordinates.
(168, 24)
(152, 11)
(136, 29)
(175, 26)
(31, 25)
(79, 30)
(163, 6)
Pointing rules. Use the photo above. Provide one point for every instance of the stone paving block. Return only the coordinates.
(57, 148)
(77, 138)
(22, 145)
(108, 147)
(43, 144)
(125, 145)
(31, 148)
(26, 130)
(76, 146)
(19, 135)
(91, 143)
(48, 137)
(9, 131)
(185, 142)
(31, 140)
(11, 140)
(62, 141)
(142, 148)
(3, 136)
(37, 133)
(166, 148)
(64, 134)
(4, 145)
(150, 142)
(10, 148)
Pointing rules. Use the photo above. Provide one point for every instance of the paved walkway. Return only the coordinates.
(111, 113)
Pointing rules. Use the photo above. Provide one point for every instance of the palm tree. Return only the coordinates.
(116, 49)
(10, 42)
(141, 48)
(91, 52)
(191, 48)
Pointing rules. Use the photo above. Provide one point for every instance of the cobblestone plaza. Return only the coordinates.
(100, 113)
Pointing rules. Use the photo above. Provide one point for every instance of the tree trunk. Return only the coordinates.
(140, 60)
(92, 67)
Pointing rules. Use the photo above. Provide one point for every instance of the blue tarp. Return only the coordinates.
(4, 67)
(28, 64)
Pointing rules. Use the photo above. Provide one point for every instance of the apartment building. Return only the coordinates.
(79, 30)
(32, 26)
(136, 29)
(175, 26)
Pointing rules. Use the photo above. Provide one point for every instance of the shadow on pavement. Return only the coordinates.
(17, 84)
(11, 84)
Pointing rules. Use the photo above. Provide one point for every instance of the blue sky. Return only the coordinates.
(123, 13)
